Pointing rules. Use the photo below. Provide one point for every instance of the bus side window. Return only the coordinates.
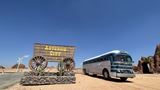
(110, 57)
(107, 58)
(104, 59)
(101, 59)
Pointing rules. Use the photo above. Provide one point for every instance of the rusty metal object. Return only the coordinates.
(38, 63)
(69, 64)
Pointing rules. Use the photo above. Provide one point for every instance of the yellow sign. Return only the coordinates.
(55, 48)
(53, 52)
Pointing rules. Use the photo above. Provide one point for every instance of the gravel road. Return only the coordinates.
(9, 79)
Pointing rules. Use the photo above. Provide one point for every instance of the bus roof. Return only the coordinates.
(110, 52)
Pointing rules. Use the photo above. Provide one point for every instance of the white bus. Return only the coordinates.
(113, 64)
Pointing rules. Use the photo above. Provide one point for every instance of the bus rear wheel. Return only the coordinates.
(106, 74)
(84, 71)
(123, 78)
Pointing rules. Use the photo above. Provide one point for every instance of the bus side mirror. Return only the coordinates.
(132, 61)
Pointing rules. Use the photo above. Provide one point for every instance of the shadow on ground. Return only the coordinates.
(112, 79)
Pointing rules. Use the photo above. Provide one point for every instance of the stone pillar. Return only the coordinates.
(151, 64)
(140, 66)
(157, 59)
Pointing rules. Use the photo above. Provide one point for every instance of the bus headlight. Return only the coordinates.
(118, 71)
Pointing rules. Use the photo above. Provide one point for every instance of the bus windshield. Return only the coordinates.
(123, 58)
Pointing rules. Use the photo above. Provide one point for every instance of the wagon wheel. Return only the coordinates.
(38, 63)
(69, 64)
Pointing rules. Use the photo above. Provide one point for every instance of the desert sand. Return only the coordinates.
(83, 82)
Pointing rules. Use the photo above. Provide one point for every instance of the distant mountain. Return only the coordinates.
(20, 66)
(2, 67)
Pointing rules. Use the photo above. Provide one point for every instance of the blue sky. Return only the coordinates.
(93, 26)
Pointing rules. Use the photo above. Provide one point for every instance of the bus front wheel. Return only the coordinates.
(106, 74)
(123, 78)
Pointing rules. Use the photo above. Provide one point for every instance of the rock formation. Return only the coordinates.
(2, 67)
(157, 59)
(150, 64)
(22, 66)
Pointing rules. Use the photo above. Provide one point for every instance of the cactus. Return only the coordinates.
(61, 67)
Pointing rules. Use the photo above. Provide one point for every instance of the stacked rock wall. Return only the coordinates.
(47, 78)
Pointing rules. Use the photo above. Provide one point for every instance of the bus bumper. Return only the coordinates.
(119, 75)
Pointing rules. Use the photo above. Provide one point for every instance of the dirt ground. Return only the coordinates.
(83, 82)
(9, 70)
